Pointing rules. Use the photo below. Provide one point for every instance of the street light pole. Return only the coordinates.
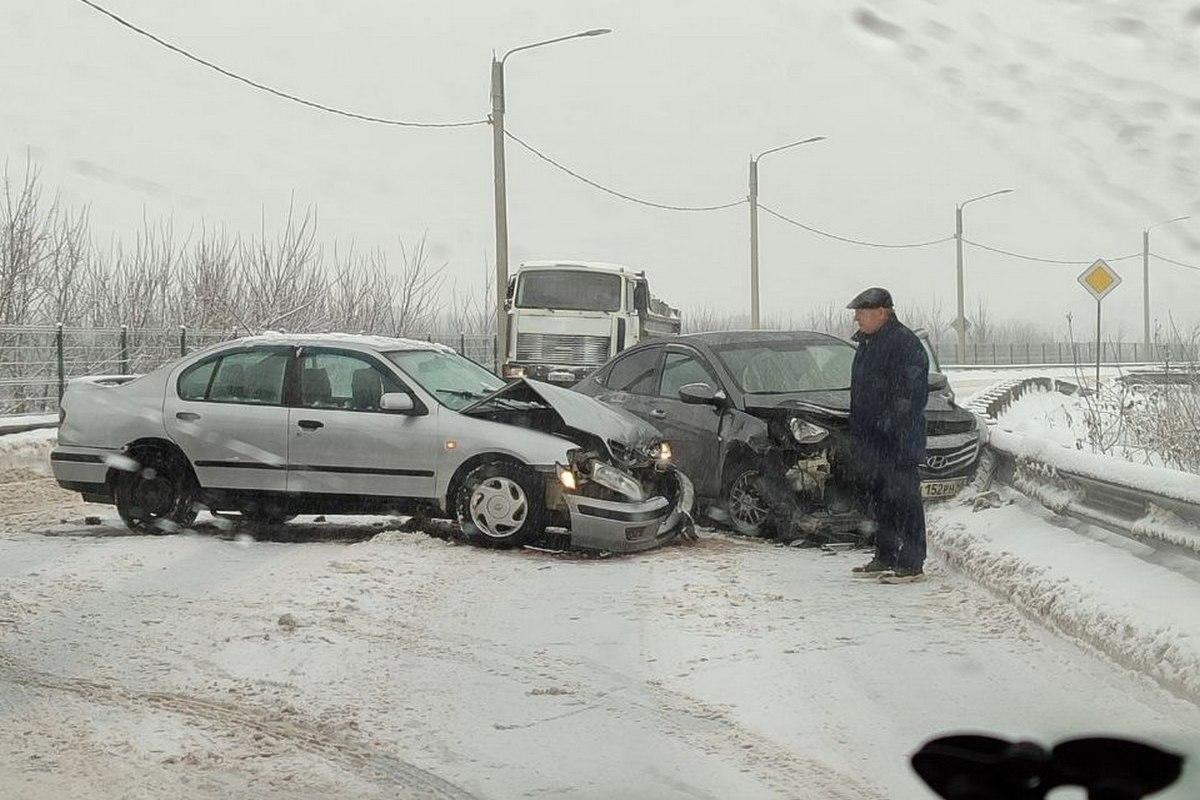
(1146, 278)
(961, 322)
(501, 189)
(754, 244)
(754, 303)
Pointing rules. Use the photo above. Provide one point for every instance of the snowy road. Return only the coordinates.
(385, 664)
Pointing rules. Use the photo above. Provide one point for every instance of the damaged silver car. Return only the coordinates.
(278, 425)
(759, 420)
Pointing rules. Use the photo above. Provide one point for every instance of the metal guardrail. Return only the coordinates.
(1146, 509)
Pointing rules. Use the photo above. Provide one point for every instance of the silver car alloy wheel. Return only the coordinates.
(498, 507)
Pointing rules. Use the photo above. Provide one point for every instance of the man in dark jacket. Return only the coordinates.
(888, 389)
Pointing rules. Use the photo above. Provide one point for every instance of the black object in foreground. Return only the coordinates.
(970, 767)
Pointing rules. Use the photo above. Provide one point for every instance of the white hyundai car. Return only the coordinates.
(277, 425)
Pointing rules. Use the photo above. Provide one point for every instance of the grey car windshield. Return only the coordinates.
(455, 381)
(569, 290)
(777, 367)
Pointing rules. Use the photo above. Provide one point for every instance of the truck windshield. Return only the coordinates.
(569, 290)
(455, 381)
(778, 367)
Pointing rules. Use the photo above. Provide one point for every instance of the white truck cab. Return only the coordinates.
(565, 318)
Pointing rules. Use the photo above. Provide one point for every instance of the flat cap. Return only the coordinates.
(875, 297)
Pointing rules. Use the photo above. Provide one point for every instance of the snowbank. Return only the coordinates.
(27, 451)
(1094, 586)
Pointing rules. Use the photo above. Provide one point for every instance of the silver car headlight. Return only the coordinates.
(806, 432)
(619, 481)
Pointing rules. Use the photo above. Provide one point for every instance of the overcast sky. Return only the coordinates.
(1091, 112)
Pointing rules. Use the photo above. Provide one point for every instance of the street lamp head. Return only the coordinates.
(984, 197)
(789, 144)
(1167, 222)
(596, 32)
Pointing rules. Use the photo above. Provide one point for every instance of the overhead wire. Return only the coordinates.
(270, 90)
(1173, 261)
(850, 240)
(1041, 260)
(594, 184)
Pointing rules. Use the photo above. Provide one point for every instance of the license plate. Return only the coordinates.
(932, 490)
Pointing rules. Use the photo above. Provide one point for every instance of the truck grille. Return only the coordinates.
(568, 350)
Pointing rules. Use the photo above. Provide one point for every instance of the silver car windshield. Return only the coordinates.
(455, 381)
(779, 367)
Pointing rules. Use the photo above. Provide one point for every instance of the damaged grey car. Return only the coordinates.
(759, 421)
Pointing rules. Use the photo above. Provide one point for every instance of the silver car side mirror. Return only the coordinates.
(397, 402)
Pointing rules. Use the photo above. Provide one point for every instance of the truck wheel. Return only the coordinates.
(747, 508)
(501, 504)
(159, 497)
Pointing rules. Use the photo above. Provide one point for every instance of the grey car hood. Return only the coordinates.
(585, 414)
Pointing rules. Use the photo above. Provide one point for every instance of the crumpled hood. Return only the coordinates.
(588, 415)
(836, 403)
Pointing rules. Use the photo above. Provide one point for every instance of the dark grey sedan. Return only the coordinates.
(759, 419)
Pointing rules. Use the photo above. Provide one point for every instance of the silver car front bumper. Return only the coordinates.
(629, 527)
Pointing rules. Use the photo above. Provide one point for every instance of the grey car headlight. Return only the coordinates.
(620, 482)
(806, 432)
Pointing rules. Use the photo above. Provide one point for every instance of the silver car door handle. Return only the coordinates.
(186, 416)
(657, 413)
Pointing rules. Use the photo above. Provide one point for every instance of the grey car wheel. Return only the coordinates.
(747, 508)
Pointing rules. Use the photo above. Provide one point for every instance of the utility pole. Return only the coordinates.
(501, 190)
(1146, 277)
(961, 322)
(754, 302)
(501, 203)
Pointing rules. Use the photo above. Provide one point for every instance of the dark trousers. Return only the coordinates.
(894, 503)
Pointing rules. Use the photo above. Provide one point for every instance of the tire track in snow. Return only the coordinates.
(384, 769)
(648, 704)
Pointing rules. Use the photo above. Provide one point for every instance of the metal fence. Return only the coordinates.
(1082, 353)
(36, 362)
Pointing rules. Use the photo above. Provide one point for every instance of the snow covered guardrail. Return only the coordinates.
(993, 401)
(27, 422)
(1158, 506)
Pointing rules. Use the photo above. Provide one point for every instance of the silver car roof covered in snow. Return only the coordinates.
(378, 343)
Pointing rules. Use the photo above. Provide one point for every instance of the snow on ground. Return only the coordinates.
(371, 662)
(1130, 601)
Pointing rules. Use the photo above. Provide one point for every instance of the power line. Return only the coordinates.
(268, 89)
(1045, 260)
(1173, 261)
(849, 240)
(666, 206)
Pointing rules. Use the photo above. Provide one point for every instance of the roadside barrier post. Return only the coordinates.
(58, 350)
(124, 349)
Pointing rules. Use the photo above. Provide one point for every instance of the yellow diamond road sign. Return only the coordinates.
(1099, 279)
